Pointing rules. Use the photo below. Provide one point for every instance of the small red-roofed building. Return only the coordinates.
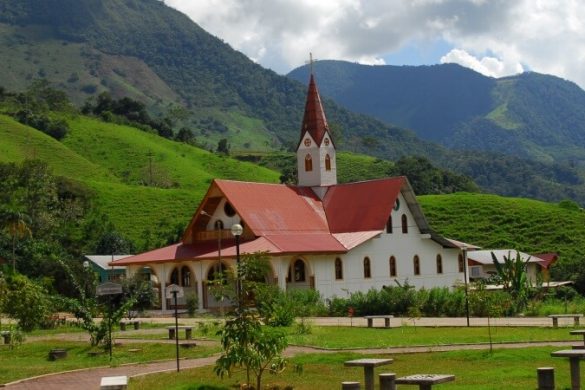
(318, 234)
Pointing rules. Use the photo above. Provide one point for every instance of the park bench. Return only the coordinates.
(188, 332)
(424, 381)
(555, 318)
(135, 323)
(371, 318)
(57, 353)
(6, 335)
(114, 383)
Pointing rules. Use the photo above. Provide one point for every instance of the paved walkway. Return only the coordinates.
(89, 379)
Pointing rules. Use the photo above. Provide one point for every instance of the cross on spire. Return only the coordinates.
(310, 62)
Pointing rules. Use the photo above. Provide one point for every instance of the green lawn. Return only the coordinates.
(347, 337)
(30, 359)
(478, 370)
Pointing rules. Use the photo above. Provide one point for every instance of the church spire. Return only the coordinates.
(316, 162)
(314, 121)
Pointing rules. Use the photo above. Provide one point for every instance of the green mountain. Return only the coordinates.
(153, 53)
(532, 116)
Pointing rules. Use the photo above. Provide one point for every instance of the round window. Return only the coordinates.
(397, 204)
(229, 210)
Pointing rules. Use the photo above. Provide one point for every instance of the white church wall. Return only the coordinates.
(403, 246)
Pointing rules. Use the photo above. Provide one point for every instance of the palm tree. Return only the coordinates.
(16, 224)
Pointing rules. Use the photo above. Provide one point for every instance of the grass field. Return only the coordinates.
(478, 370)
(30, 359)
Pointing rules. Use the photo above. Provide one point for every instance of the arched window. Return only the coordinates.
(416, 263)
(299, 271)
(367, 269)
(389, 225)
(439, 264)
(308, 163)
(185, 277)
(175, 276)
(461, 263)
(338, 269)
(327, 162)
(392, 266)
(404, 224)
(218, 224)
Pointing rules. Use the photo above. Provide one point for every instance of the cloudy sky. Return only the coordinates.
(494, 37)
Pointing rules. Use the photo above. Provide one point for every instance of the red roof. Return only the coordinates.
(275, 208)
(314, 121)
(548, 259)
(362, 206)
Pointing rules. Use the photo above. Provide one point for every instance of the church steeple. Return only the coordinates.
(316, 161)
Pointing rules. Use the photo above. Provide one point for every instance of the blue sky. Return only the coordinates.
(494, 37)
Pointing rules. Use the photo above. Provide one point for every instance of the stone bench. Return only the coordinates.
(55, 354)
(188, 332)
(7, 336)
(114, 383)
(555, 318)
(371, 318)
(135, 323)
(424, 381)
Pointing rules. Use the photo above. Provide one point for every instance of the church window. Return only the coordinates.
(218, 224)
(175, 276)
(185, 277)
(416, 263)
(367, 269)
(326, 141)
(327, 163)
(461, 263)
(389, 225)
(308, 163)
(338, 269)
(439, 264)
(392, 266)
(229, 210)
(404, 224)
(307, 142)
(396, 204)
(299, 271)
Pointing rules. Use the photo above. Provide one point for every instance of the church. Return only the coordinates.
(334, 238)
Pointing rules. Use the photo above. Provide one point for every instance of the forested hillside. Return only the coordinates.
(532, 116)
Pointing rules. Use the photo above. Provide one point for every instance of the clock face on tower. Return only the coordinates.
(307, 142)
(326, 141)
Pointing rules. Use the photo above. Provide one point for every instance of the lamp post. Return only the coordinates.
(464, 255)
(237, 231)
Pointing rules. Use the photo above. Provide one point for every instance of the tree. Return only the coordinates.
(512, 274)
(17, 225)
(223, 147)
(246, 343)
(27, 302)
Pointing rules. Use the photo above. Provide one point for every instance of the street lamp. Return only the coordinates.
(464, 255)
(237, 231)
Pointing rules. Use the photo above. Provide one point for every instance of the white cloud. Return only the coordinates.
(489, 66)
(543, 35)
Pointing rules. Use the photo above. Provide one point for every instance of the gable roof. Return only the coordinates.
(102, 261)
(288, 219)
(361, 206)
(314, 121)
(484, 257)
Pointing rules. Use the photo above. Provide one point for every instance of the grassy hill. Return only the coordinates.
(492, 221)
(113, 161)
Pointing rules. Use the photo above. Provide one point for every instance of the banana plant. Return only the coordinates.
(512, 273)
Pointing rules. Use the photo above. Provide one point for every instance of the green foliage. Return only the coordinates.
(248, 345)
(27, 302)
(512, 274)
(191, 302)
